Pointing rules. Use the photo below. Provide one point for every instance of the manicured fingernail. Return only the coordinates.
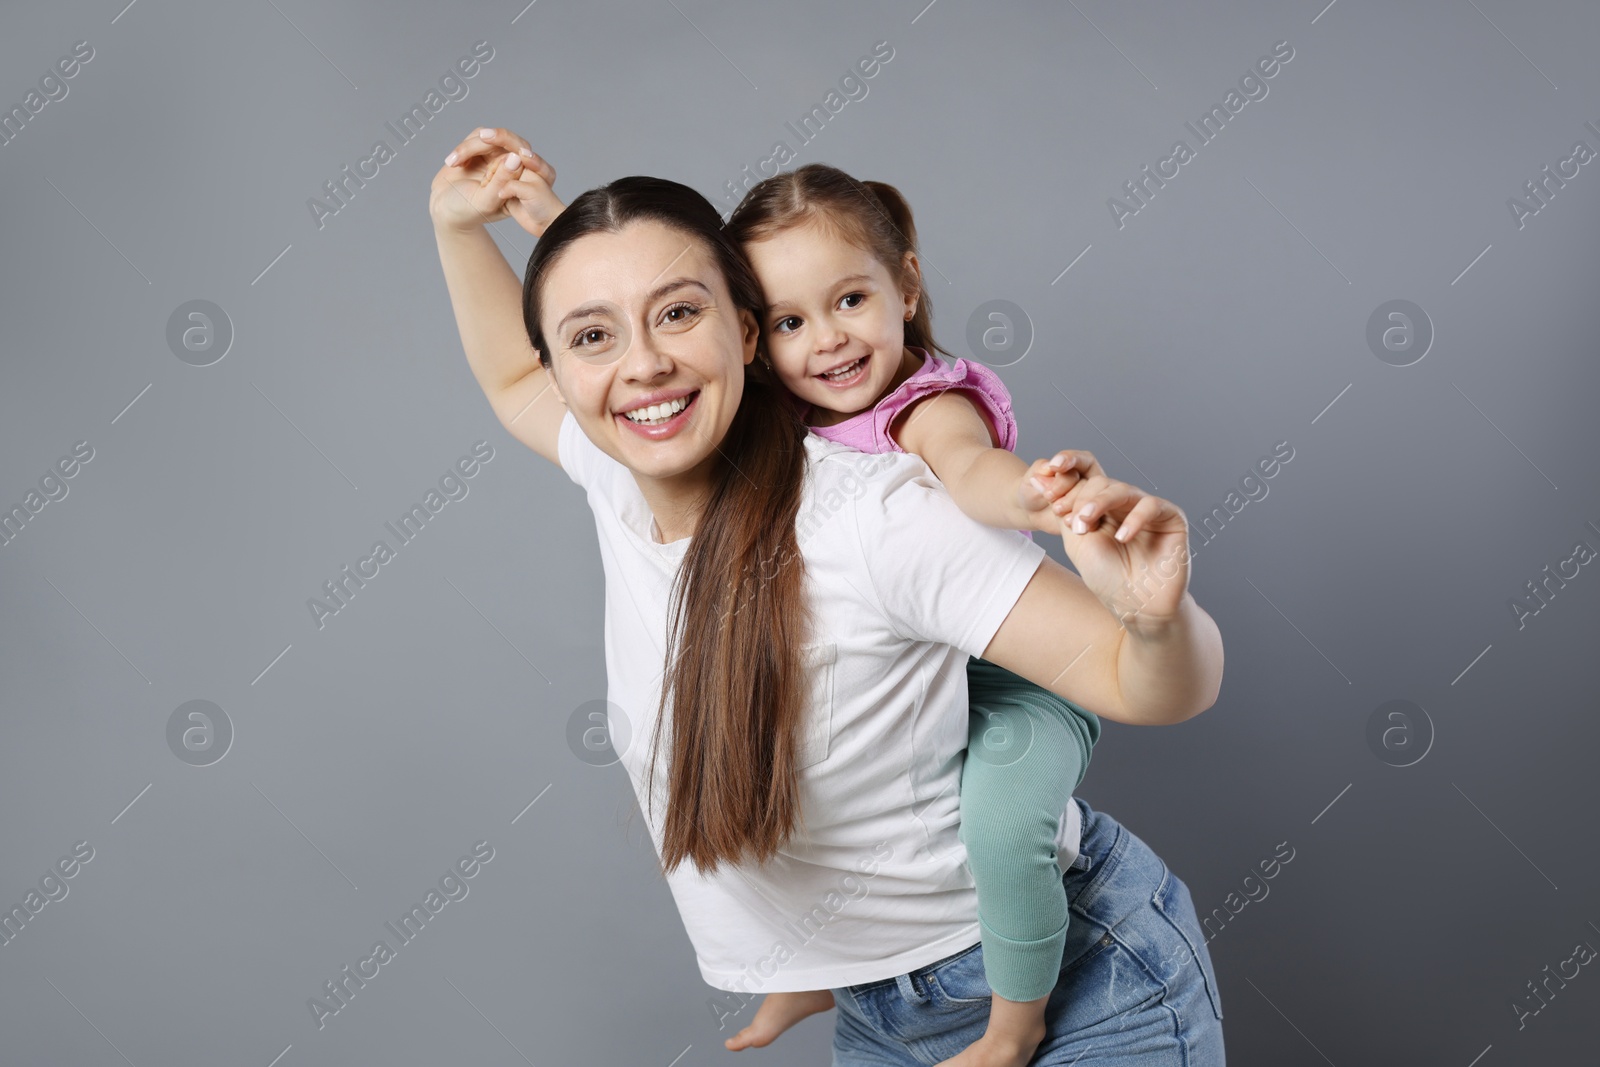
(1078, 525)
(1037, 484)
(451, 158)
(512, 163)
(1083, 512)
(1123, 533)
(1060, 458)
(525, 152)
(485, 133)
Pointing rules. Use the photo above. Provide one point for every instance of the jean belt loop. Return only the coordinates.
(908, 989)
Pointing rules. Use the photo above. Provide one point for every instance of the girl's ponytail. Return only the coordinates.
(895, 206)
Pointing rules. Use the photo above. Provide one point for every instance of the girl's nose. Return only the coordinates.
(829, 338)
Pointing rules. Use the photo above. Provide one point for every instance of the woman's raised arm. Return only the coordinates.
(1126, 639)
(478, 185)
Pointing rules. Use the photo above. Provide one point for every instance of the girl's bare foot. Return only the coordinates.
(777, 1013)
(994, 1050)
(1016, 1028)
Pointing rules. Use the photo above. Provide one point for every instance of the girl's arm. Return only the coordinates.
(1126, 640)
(989, 483)
(475, 188)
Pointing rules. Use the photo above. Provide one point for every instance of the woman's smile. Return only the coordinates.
(659, 415)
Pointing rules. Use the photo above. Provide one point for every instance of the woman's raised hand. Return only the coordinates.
(490, 175)
(1130, 548)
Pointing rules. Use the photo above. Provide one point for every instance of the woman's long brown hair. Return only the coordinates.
(735, 690)
(873, 216)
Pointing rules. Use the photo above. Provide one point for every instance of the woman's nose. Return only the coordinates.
(643, 359)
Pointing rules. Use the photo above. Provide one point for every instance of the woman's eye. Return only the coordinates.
(853, 300)
(592, 336)
(787, 324)
(680, 312)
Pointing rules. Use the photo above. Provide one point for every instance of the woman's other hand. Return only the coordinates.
(1130, 548)
(494, 174)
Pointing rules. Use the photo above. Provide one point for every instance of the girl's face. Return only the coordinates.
(835, 317)
(646, 347)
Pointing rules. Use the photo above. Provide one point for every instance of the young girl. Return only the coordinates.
(848, 330)
(848, 333)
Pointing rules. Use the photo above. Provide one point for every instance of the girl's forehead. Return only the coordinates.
(802, 248)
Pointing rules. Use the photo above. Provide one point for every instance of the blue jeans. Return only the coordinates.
(1136, 983)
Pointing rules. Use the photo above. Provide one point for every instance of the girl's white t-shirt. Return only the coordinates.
(903, 588)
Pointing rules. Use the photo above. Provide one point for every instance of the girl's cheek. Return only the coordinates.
(787, 373)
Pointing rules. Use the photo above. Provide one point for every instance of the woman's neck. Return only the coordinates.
(676, 502)
(910, 363)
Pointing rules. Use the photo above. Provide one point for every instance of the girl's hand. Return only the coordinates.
(490, 175)
(777, 1013)
(1142, 575)
(1046, 481)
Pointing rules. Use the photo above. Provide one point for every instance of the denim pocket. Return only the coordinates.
(960, 979)
(1173, 902)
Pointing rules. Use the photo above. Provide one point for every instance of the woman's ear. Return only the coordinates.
(911, 275)
(550, 376)
(750, 331)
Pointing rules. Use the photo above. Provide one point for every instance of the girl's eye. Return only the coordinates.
(787, 324)
(591, 336)
(856, 297)
(680, 312)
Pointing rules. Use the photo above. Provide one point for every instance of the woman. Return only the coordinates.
(807, 729)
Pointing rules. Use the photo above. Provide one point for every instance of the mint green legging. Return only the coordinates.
(1027, 750)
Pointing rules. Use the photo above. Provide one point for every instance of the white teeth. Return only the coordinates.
(843, 372)
(655, 414)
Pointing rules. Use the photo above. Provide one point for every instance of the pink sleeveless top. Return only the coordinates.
(868, 431)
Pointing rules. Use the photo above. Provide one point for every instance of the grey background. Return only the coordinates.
(1228, 315)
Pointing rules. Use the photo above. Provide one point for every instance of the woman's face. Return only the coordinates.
(646, 347)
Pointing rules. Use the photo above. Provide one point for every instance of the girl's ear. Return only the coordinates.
(750, 331)
(911, 274)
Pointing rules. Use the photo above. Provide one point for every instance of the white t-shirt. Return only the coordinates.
(903, 589)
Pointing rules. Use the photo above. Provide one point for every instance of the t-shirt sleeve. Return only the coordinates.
(980, 385)
(937, 574)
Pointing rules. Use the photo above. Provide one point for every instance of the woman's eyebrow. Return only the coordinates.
(655, 294)
(582, 313)
(677, 283)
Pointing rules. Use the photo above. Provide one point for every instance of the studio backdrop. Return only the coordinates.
(1321, 273)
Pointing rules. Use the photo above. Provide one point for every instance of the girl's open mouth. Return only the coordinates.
(847, 375)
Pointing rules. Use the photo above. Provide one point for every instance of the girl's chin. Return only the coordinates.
(838, 404)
